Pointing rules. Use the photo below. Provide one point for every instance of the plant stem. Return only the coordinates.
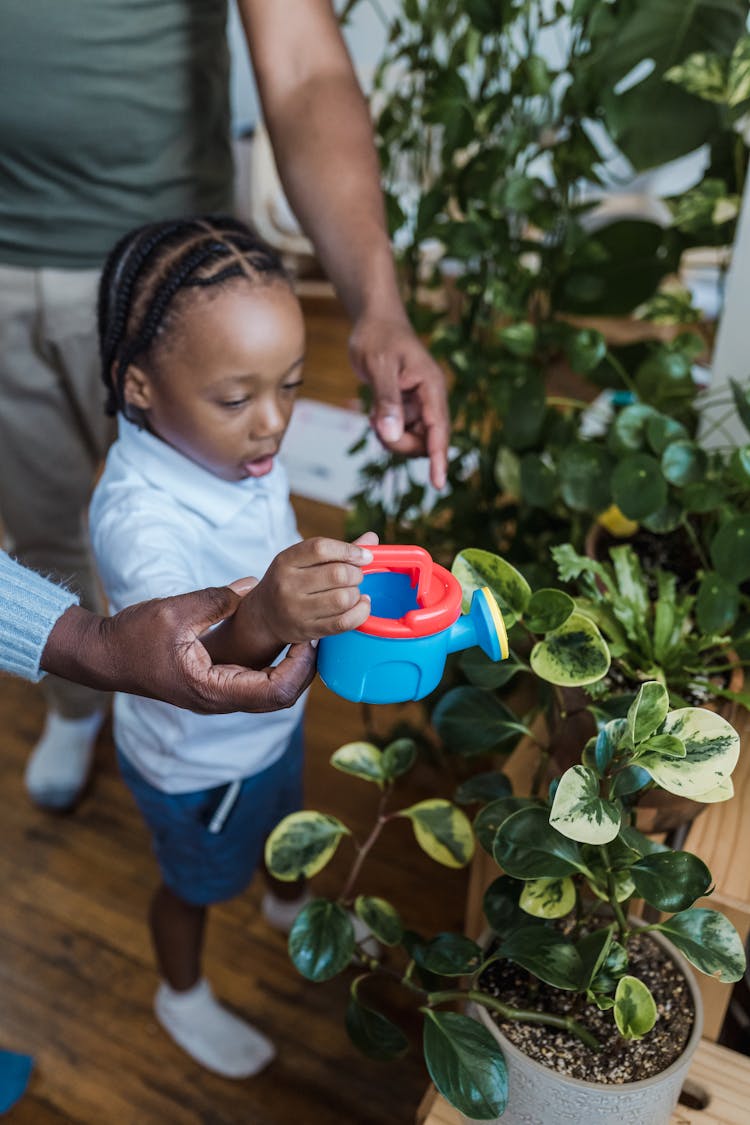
(523, 1015)
(362, 852)
(622, 924)
(694, 540)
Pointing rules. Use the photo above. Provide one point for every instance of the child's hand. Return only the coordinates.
(312, 590)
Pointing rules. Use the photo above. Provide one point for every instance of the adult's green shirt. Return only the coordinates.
(113, 113)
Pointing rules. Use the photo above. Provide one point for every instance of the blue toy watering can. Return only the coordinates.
(399, 652)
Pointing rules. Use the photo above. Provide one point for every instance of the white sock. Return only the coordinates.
(59, 764)
(210, 1033)
(281, 913)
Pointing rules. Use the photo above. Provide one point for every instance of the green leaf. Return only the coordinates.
(548, 898)
(578, 810)
(709, 941)
(631, 426)
(703, 73)
(321, 941)
(488, 820)
(647, 711)
(614, 966)
(501, 905)
(635, 1008)
(662, 430)
(526, 408)
(471, 721)
(702, 496)
(302, 844)
(360, 759)
(663, 521)
(449, 955)
(629, 780)
(474, 569)
(640, 843)
(608, 741)
(585, 350)
(548, 609)
(638, 486)
(712, 747)
(717, 603)
(380, 917)
(528, 847)
(739, 464)
(665, 744)
(670, 881)
(484, 787)
(573, 655)
(593, 949)
(683, 462)
(730, 549)
(371, 1032)
(485, 673)
(538, 481)
(584, 472)
(398, 757)
(466, 1064)
(442, 831)
(738, 81)
(519, 339)
(547, 954)
(741, 395)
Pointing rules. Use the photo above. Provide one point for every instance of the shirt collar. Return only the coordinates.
(217, 501)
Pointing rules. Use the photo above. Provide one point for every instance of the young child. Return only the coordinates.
(202, 343)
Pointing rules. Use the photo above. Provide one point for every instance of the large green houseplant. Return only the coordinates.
(495, 121)
(572, 861)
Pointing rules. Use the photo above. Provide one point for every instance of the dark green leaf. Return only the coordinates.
(528, 847)
(717, 604)
(372, 1033)
(638, 486)
(472, 721)
(548, 609)
(321, 942)
(484, 787)
(730, 549)
(671, 881)
(449, 955)
(466, 1064)
(546, 953)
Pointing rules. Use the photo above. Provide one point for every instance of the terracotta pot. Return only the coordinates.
(539, 1095)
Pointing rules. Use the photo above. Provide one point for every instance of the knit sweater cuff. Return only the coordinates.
(29, 607)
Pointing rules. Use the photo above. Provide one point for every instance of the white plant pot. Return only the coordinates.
(538, 1095)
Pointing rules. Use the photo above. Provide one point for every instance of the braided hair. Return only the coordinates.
(150, 266)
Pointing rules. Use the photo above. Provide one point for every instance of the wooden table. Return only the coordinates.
(719, 1081)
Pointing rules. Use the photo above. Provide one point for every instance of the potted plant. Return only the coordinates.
(569, 987)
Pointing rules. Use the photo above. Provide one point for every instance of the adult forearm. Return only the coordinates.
(322, 136)
(78, 649)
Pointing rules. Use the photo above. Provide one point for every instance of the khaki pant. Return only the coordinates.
(53, 435)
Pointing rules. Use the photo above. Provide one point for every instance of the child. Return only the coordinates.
(202, 344)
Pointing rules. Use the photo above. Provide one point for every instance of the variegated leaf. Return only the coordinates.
(442, 831)
(738, 82)
(548, 898)
(712, 748)
(579, 812)
(703, 73)
(475, 569)
(302, 844)
(635, 1008)
(360, 759)
(573, 655)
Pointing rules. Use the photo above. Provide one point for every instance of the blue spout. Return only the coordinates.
(483, 625)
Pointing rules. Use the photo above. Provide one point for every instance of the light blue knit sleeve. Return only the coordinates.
(29, 607)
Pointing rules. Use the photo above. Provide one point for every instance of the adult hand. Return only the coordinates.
(410, 410)
(155, 649)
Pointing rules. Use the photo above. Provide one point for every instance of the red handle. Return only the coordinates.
(403, 558)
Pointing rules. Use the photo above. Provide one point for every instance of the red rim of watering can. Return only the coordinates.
(438, 594)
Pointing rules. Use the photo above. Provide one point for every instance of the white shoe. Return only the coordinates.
(280, 914)
(59, 765)
(210, 1034)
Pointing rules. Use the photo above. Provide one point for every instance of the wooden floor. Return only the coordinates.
(76, 971)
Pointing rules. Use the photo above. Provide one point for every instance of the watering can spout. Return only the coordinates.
(483, 625)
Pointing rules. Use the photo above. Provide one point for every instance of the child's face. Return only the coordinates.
(223, 385)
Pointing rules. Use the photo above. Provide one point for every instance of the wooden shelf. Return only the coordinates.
(719, 1081)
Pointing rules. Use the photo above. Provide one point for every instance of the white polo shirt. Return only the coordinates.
(162, 525)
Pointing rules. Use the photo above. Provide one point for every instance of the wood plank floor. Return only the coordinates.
(76, 970)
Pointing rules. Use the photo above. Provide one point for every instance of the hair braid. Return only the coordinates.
(148, 268)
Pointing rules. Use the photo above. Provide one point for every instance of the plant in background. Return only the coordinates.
(650, 626)
(559, 912)
(496, 122)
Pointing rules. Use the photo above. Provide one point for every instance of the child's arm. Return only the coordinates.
(310, 590)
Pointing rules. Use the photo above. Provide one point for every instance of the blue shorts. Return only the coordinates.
(209, 844)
